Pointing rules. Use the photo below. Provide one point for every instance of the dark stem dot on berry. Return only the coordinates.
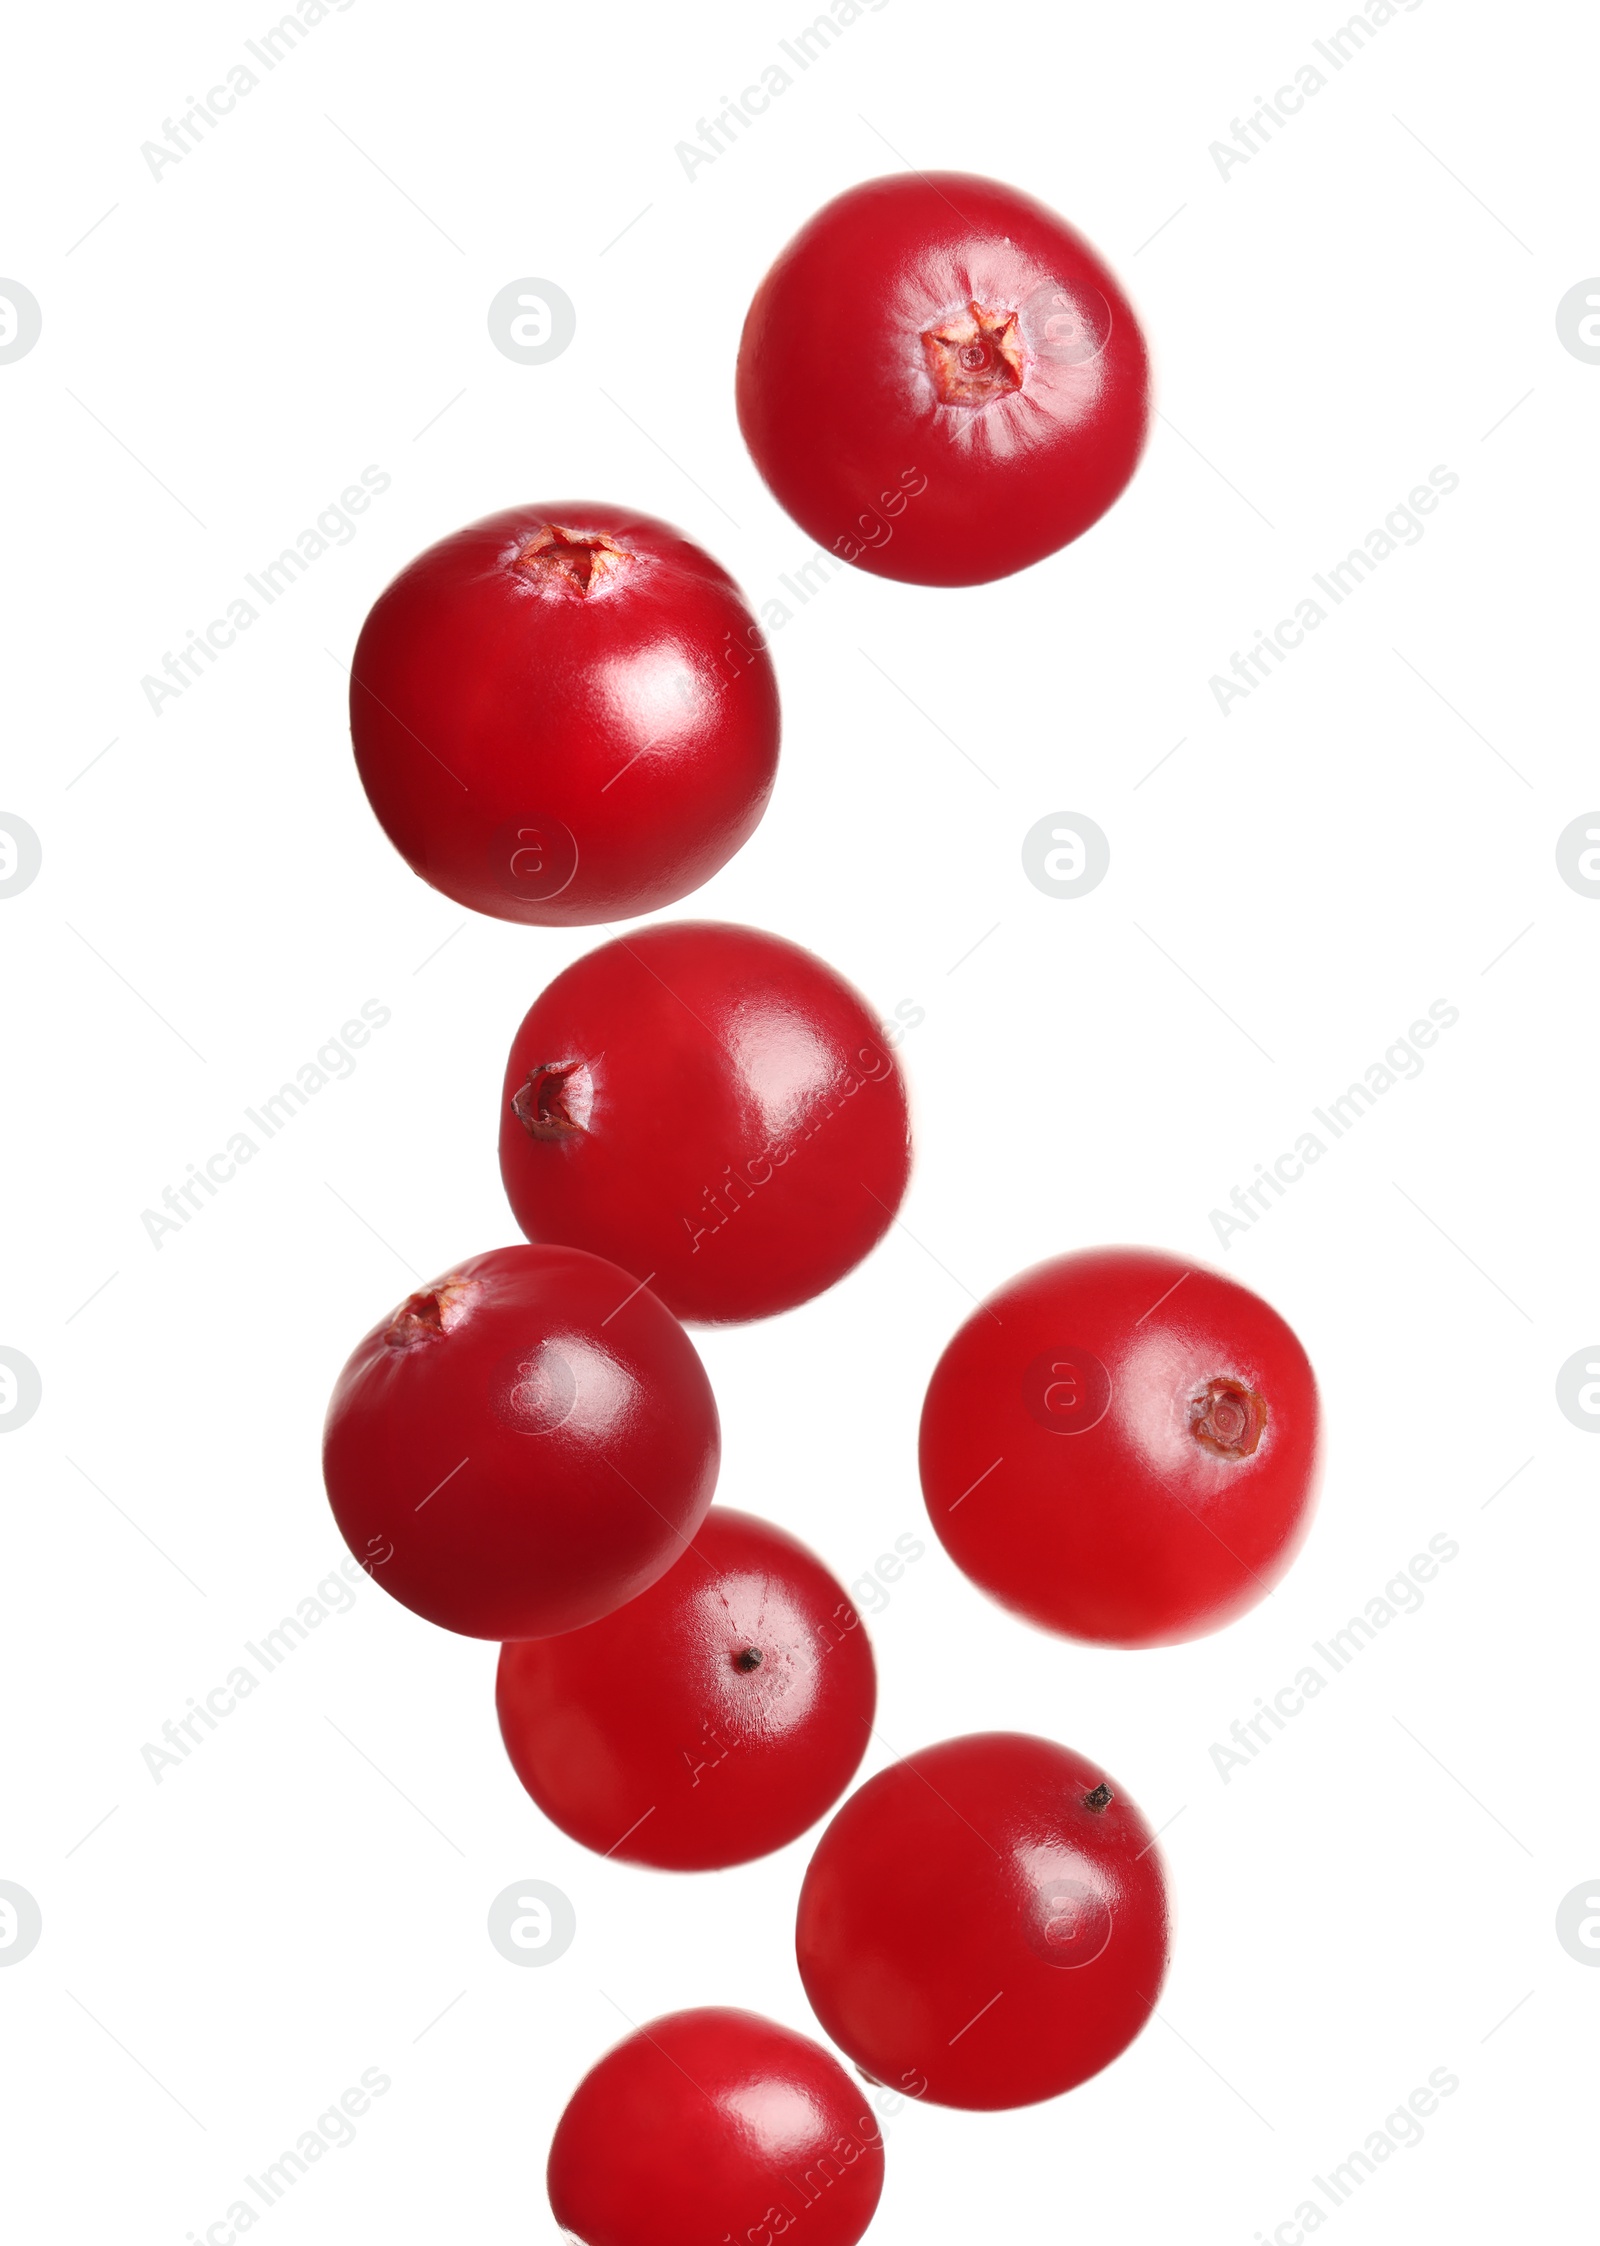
(1101, 1798)
(748, 1660)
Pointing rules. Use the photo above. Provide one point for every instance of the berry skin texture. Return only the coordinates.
(941, 381)
(715, 2125)
(712, 1108)
(522, 1446)
(986, 1923)
(1123, 1447)
(564, 714)
(709, 1721)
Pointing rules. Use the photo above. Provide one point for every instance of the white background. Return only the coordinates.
(1374, 1897)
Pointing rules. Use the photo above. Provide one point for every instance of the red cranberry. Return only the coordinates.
(708, 1721)
(564, 714)
(985, 1924)
(715, 2125)
(523, 1445)
(712, 1108)
(941, 381)
(1122, 1446)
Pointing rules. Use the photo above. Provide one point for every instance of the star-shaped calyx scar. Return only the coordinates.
(975, 357)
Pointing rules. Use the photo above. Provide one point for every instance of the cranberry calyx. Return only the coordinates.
(573, 562)
(554, 1102)
(430, 1314)
(1100, 1798)
(748, 1660)
(1228, 1418)
(975, 357)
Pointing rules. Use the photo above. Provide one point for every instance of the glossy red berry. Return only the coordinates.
(1122, 1446)
(523, 1445)
(711, 2126)
(564, 714)
(708, 1721)
(985, 1924)
(710, 1107)
(941, 381)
